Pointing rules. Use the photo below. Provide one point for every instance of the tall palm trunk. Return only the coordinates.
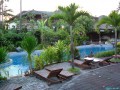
(115, 42)
(72, 46)
(30, 62)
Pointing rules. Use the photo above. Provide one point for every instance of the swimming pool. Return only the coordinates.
(20, 63)
(85, 50)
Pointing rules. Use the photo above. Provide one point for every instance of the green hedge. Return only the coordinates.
(105, 54)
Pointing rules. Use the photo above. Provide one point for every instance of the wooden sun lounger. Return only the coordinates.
(105, 61)
(116, 56)
(100, 61)
(64, 74)
(11, 87)
(50, 76)
(82, 64)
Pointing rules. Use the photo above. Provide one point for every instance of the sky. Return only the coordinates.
(94, 7)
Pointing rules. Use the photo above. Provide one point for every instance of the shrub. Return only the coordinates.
(39, 63)
(74, 70)
(115, 60)
(3, 55)
(118, 47)
(49, 55)
(2, 78)
(62, 51)
(76, 54)
(105, 54)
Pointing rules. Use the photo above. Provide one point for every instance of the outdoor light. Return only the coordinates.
(101, 30)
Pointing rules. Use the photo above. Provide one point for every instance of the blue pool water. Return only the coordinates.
(86, 50)
(20, 63)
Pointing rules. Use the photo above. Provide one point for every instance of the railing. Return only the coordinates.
(6, 64)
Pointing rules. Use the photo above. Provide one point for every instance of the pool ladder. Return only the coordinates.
(19, 72)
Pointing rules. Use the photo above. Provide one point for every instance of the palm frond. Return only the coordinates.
(69, 13)
(112, 19)
(29, 43)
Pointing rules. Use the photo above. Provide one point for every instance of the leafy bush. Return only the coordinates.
(118, 47)
(3, 55)
(2, 78)
(39, 63)
(11, 40)
(104, 54)
(62, 34)
(74, 70)
(76, 54)
(115, 60)
(49, 55)
(53, 54)
(62, 51)
(118, 44)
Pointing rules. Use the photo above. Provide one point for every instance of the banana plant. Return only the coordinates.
(42, 27)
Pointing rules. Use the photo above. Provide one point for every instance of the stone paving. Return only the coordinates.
(103, 78)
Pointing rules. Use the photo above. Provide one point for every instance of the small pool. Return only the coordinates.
(86, 50)
(20, 63)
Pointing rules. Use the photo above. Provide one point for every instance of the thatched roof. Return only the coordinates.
(34, 12)
(103, 26)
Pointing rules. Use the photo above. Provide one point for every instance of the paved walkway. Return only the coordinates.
(104, 78)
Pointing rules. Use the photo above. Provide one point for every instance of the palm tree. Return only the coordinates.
(42, 27)
(69, 14)
(113, 19)
(29, 43)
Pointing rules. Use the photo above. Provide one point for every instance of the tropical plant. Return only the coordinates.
(113, 19)
(42, 27)
(74, 70)
(2, 78)
(79, 34)
(104, 54)
(29, 43)
(118, 47)
(76, 54)
(39, 63)
(3, 55)
(115, 60)
(69, 14)
(49, 55)
(87, 22)
(62, 51)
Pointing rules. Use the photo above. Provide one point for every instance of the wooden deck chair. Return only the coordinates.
(116, 56)
(50, 76)
(64, 74)
(82, 64)
(105, 61)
